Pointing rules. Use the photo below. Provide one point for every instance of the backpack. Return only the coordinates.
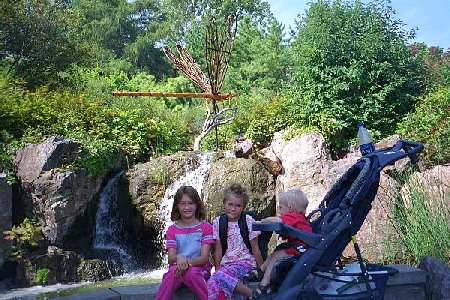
(263, 238)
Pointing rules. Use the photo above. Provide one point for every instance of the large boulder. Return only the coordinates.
(52, 153)
(148, 181)
(5, 217)
(59, 197)
(308, 165)
(151, 187)
(438, 279)
(56, 195)
(251, 174)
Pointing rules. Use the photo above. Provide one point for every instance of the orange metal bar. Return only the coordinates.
(191, 95)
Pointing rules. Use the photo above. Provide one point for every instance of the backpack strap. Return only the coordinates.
(244, 231)
(223, 231)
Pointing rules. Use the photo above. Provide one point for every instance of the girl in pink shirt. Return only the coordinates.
(189, 242)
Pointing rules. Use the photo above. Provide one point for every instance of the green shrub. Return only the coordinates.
(430, 124)
(25, 236)
(42, 276)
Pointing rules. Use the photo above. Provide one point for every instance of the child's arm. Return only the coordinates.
(217, 254)
(172, 255)
(203, 258)
(256, 251)
(272, 220)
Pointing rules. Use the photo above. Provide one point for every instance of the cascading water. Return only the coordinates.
(108, 231)
(109, 226)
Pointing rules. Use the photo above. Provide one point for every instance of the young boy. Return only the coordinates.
(293, 205)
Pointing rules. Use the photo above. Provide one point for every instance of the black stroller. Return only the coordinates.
(335, 223)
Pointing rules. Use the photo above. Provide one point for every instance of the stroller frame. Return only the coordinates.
(341, 215)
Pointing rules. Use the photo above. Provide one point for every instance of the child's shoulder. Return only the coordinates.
(204, 223)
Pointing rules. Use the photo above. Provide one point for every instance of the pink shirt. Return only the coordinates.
(189, 240)
(237, 250)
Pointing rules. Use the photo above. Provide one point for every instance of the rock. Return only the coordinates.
(96, 270)
(270, 161)
(434, 183)
(59, 197)
(243, 148)
(56, 196)
(148, 181)
(306, 164)
(54, 152)
(251, 174)
(438, 281)
(5, 217)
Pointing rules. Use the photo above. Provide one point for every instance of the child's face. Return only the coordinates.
(187, 208)
(233, 207)
(284, 208)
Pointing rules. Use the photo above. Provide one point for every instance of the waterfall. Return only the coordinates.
(194, 178)
(109, 226)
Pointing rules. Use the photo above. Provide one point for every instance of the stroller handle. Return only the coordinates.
(411, 148)
(401, 149)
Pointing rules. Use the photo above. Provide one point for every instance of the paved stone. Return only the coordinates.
(408, 284)
(101, 294)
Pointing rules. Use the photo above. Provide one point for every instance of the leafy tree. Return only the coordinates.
(120, 29)
(259, 58)
(437, 65)
(351, 62)
(37, 41)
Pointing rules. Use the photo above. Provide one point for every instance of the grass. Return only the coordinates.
(420, 214)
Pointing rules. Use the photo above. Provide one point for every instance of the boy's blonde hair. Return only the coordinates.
(296, 198)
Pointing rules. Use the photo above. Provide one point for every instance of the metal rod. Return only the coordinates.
(190, 95)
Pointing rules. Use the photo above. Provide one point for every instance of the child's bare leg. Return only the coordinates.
(242, 289)
(270, 263)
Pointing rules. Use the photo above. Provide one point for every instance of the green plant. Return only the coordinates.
(159, 174)
(350, 62)
(42, 276)
(25, 236)
(430, 124)
(419, 215)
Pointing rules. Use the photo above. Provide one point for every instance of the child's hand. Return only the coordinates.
(182, 265)
(271, 220)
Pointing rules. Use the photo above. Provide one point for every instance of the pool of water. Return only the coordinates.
(59, 290)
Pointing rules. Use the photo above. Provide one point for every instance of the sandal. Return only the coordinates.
(262, 290)
(254, 275)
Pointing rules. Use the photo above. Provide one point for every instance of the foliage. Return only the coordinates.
(259, 60)
(350, 63)
(420, 217)
(139, 128)
(42, 276)
(430, 124)
(25, 236)
(37, 40)
(437, 65)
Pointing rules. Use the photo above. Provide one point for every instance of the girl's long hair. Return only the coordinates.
(200, 212)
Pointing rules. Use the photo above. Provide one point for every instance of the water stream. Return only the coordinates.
(108, 237)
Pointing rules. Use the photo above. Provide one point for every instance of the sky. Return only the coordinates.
(430, 17)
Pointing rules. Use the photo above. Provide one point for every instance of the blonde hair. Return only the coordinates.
(237, 191)
(296, 198)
